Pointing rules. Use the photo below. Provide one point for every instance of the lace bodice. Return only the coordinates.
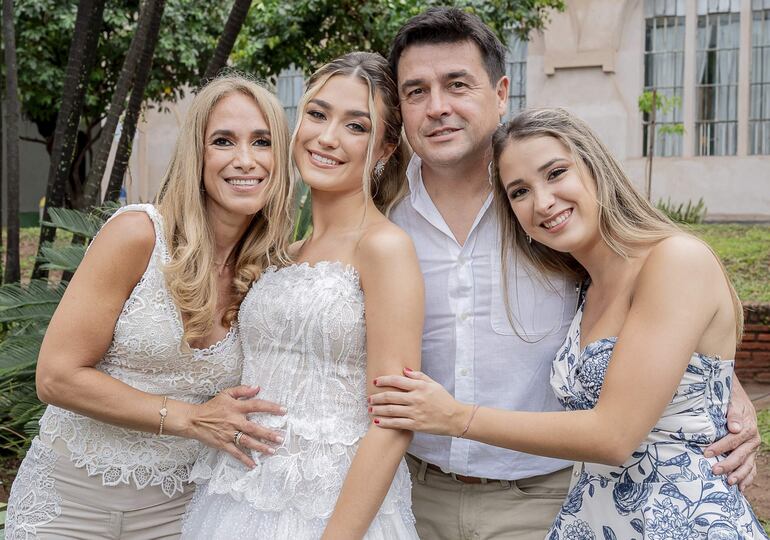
(304, 343)
(147, 353)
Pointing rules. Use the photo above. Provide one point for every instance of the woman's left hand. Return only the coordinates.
(422, 404)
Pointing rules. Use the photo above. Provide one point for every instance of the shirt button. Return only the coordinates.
(464, 372)
(465, 316)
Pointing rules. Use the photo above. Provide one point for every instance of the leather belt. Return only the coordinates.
(459, 477)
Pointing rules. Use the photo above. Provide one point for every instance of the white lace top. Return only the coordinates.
(147, 353)
(304, 340)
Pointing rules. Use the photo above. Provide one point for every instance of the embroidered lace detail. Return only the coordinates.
(33, 501)
(147, 352)
(304, 342)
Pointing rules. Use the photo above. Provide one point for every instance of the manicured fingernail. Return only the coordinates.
(370, 409)
(718, 470)
(376, 420)
(408, 370)
(375, 382)
(708, 453)
(270, 450)
(369, 399)
(284, 410)
(279, 439)
(256, 388)
(731, 481)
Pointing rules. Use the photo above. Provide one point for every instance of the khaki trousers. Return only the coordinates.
(90, 510)
(447, 509)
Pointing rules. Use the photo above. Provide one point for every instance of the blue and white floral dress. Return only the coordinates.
(666, 489)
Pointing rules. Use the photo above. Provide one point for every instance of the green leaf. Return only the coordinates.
(66, 257)
(36, 292)
(74, 221)
(19, 352)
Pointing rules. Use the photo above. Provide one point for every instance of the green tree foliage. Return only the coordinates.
(190, 30)
(308, 33)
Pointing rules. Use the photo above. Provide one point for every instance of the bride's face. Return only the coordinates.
(330, 145)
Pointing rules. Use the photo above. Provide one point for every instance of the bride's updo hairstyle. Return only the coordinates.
(190, 272)
(627, 221)
(389, 187)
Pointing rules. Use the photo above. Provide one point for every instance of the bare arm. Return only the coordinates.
(394, 296)
(667, 319)
(81, 331)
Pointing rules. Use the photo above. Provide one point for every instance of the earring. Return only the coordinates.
(379, 168)
(529, 239)
(490, 173)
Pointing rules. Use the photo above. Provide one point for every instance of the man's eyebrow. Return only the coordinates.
(411, 82)
(459, 74)
(350, 112)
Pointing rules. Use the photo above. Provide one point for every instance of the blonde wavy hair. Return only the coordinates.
(190, 273)
(373, 69)
(627, 221)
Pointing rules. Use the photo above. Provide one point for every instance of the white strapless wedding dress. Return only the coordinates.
(304, 338)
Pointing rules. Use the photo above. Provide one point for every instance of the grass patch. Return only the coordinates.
(28, 237)
(745, 252)
(763, 421)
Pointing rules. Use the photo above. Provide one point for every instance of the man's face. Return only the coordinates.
(449, 106)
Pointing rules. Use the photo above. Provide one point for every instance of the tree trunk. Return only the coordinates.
(227, 39)
(2, 177)
(651, 145)
(13, 114)
(82, 55)
(92, 189)
(134, 104)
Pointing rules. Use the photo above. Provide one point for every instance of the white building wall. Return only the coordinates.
(590, 61)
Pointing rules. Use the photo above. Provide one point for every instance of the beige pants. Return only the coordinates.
(88, 510)
(447, 509)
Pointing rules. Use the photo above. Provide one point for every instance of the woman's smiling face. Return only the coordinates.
(331, 142)
(552, 201)
(238, 156)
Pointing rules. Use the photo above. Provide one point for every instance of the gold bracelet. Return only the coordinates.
(468, 425)
(163, 412)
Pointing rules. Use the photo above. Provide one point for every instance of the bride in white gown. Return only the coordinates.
(317, 334)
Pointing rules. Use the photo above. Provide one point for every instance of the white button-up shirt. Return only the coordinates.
(469, 345)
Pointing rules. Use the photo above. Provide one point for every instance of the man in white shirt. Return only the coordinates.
(451, 78)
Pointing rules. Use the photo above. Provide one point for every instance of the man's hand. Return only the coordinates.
(741, 442)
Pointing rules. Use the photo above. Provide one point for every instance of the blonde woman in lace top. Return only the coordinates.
(145, 334)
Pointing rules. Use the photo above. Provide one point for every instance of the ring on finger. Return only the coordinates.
(237, 437)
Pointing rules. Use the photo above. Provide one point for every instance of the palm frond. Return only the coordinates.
(75, 221)
(19, 352)
(62, 257)
(35, 301)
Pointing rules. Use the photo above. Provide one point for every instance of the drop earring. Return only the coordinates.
(379, 168)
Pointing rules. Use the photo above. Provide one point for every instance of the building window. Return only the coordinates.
(759, 110)
(516, 70)
(716, 77)
(664, 69)
(289, 87)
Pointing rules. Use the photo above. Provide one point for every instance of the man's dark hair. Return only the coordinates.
(450, 25)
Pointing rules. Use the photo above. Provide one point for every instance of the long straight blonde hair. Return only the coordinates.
(191, 274)
(389, 187)
(627, 221)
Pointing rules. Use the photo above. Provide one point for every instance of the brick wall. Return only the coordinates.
(752, 360)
